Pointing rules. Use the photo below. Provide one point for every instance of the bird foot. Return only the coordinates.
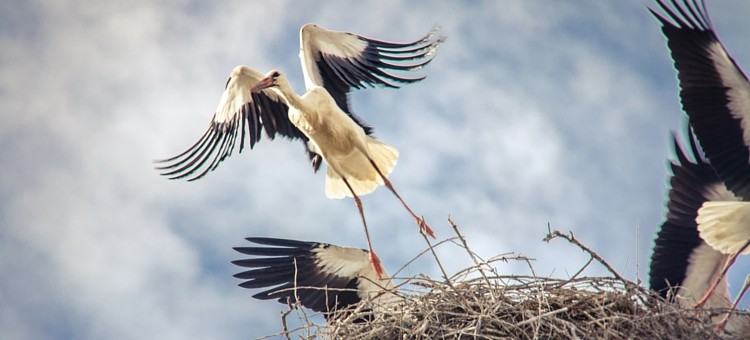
(376, 265)
(719, 327)
(702, 301)
(423, 227)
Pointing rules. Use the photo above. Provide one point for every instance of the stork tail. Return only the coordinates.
(725, 226)
(359, 172)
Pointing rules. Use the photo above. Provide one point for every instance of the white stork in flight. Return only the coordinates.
(333, 63)
(325, 278)
(683, 266)
(715, 95)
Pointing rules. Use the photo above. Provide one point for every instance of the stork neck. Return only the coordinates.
(292, 98)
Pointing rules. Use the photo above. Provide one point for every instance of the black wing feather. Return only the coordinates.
(705, 99)
(292, 267)
(370, 68)
(678, 235)
(218, 142)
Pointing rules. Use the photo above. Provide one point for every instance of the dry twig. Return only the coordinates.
(522, 307)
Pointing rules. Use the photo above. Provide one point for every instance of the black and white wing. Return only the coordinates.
(322, 277)
(341, 61)
(240, 114)
(715, 92)
(678, 248)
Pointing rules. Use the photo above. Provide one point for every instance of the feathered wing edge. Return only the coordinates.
(293, 271)
(255, 112)
(691, 180)
(367, 62)
(714, 91)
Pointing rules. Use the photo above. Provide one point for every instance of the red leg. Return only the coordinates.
(720, 326)
(724, 271)
(716, 281)
(374, 260)
(423, 227)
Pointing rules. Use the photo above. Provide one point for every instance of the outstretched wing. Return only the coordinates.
(323, 277)
(240, 113)
(678, 246)
(341, 61)
(715, 92)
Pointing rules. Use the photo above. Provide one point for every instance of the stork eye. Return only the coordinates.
(275, 75)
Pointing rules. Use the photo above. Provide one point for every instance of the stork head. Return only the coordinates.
(272, 79)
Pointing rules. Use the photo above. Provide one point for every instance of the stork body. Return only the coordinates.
(333, 64)
(683, 266)
(325, 278)
(357, 163)
(343, 145)
(715, 95)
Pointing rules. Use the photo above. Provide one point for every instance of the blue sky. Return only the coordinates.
(532, 113)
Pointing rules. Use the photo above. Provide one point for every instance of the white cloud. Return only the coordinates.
(531, 114)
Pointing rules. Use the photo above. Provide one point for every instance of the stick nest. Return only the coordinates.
(531, 308)
(483, 305)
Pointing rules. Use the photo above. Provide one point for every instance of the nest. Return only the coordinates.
(484, 305)
(530, 308)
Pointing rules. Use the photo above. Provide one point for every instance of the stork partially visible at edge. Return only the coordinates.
(683, 266)
(333, 63)
(715, 95)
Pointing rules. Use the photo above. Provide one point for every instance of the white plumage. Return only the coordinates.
(684, 267)
(384, 156)
(724, 226)
(715, 95)
(333, 63)
(345, 147)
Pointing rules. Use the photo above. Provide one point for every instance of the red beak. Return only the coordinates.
(262, 84)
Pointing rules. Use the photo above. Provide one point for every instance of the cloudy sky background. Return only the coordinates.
(533, 112)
